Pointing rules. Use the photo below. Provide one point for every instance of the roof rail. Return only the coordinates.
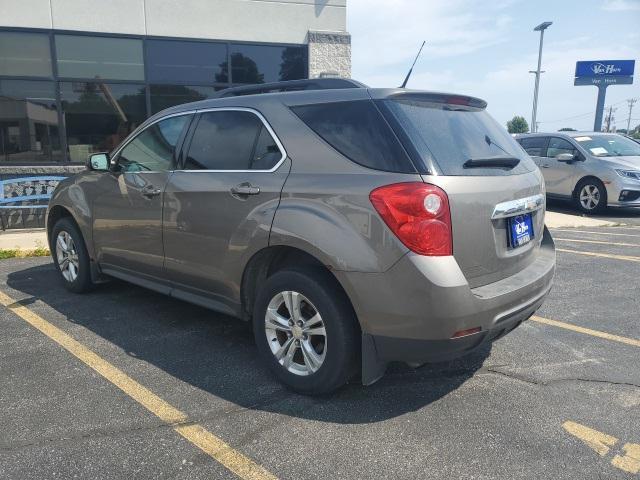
(291, 86)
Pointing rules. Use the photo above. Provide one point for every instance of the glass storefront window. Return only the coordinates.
(98, 116)
(29, 130)
(173, 61)
(82, 56)
(265, 63)
(165, 96)
(25, 54)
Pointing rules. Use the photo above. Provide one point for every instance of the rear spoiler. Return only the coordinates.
(437, 97)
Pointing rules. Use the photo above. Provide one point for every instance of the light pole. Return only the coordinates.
(540, 28)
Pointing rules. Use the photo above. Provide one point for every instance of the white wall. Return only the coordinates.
(286, 21)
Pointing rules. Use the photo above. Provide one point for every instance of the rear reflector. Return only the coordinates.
(418, 214)
(464, 333)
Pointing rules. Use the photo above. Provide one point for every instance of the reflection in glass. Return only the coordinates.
(99, 57)
(98, 116)
(28, 122)
(165, 96)
(262, 63)
(25, 54)
(172, 61)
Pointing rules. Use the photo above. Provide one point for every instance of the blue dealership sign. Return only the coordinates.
(605, 68)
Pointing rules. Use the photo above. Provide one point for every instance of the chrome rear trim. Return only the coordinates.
(518, 207)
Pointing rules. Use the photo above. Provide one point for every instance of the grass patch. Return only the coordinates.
(18, 253)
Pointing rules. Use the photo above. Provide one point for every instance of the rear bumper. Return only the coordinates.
(412, 311)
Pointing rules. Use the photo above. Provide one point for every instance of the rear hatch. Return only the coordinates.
(488, 178)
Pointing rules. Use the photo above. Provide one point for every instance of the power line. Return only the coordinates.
(578, 116)
(630, 101)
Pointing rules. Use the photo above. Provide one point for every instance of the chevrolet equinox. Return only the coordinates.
(352, 226)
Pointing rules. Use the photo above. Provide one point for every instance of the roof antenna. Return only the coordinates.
(404, 84)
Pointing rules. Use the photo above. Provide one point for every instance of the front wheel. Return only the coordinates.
(70, 256)
(590, 196)
(306, 331)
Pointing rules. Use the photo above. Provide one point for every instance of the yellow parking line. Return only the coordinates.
(597, 241)
(587, 331)
(206, 441)
(595, 233)
(628, 258)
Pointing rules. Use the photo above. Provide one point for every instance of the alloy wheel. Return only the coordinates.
(67, 256)
(589, 197)
(295, 333)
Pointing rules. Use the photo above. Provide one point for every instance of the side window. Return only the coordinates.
(153, 149)
(534, 146)
(231, 140)
(558, 146)
(357, 130)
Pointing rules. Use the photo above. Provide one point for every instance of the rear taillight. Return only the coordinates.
(418, 214)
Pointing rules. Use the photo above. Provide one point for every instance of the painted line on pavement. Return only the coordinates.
(600, 242)
(595, 233)
(206, 441)
(587, 331)
(628, 258)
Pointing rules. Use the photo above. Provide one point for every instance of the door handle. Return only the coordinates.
(150, 191)
(245, 189)
(546, 165)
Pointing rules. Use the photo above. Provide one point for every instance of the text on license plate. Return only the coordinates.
(519, 230)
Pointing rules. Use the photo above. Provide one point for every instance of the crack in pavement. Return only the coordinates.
(541, 383)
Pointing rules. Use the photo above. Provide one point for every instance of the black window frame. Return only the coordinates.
(186, 144)
(146, 81)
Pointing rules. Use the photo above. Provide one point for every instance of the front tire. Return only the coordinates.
(590, 196)
(306, 331)
(70, 256)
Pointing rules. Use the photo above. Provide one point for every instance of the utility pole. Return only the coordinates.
(540, 28)
(631, 101)
(610, 118)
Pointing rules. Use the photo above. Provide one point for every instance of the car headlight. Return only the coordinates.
(632, 174)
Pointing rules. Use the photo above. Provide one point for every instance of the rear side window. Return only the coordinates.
(358, 131)
(449, 134)
(231, 140)
(534, 146)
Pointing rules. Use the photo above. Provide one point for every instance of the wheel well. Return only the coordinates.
(56, 213)
(267, 262)
(586, 177)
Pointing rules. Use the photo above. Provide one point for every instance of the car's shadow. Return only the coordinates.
(217, 354)
(611, 214)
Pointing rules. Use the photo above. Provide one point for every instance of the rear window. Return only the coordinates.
(358, 131)
(448, 135)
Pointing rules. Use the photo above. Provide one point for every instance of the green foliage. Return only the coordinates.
(567, 129)
(517, 125)
(17, 253)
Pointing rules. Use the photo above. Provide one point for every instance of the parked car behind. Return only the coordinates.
(352, 226)
(592, 169)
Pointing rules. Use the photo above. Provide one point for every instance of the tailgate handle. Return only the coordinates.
(518, 207)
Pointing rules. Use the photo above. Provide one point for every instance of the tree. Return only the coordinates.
(517, 125)
(567, 129)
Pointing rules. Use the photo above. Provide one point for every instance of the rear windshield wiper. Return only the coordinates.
(491, 162)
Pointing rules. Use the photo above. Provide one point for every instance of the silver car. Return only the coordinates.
(353, 226)
(593, 169)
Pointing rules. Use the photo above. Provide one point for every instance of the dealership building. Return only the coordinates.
(77, 76)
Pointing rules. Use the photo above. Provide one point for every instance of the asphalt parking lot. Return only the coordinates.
(126, 383)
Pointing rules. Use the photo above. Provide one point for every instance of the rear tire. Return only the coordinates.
(590, 196)
(70, 256)
(315, 349)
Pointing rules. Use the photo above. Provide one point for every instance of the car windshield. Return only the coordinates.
(608, 145)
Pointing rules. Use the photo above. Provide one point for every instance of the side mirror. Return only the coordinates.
(565, 157)
(98, 162)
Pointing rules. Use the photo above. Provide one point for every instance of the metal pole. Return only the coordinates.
(534, 128)
(597, 125)
(631, 101)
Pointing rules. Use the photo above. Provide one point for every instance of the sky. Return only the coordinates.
(486, 49)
